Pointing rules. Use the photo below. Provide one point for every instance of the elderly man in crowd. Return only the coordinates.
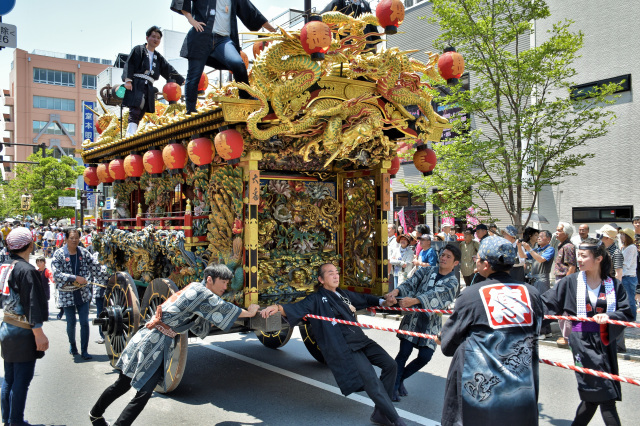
(510, 233)
(565, 264)
(583, 234)
(542, 257)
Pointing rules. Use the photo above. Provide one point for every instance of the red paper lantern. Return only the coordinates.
(103, 173)
(451, 65)
(133, 166)
(395, 166)
(316, 38)
(90, 175)
(116, 170)
(153, 162)
(171, 91)
(425, 160)
(245, 59)
(174, 156)
(201, 150)
(203, 84)
(390, 14)
(229, 144)
(258, 47)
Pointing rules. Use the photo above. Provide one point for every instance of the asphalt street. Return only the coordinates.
(233, 380)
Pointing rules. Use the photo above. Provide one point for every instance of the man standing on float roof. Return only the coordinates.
(144, 66)
(214, 41)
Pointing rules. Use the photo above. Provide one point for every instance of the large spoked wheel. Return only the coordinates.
(120, 318)
(276, 339)
(310, 342)
(158, 291)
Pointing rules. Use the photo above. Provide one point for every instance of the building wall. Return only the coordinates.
(23, 89)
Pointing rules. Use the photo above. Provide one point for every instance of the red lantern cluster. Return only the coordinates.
(451, 65)
(395, 166)
(133, 166)
(229, 145)
(174, 156)
(116, 170)
(172, 91)
(425, 160)
(203, 84)
(201, 150)
(153, 162)
(90, 175)
(390, 14)
(103, 173)
(315, 38)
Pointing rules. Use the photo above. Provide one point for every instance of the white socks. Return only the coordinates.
(131, 129)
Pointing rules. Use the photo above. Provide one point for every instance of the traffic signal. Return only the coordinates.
(83, 202)
(100, 200)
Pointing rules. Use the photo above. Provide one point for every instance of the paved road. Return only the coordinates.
(234, 380)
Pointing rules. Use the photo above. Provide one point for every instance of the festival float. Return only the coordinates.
(272, 187)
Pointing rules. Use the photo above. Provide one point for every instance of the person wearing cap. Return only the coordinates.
(593, 293)
(609, 235)
(427, 256)
(402, 259)
(74, 264)
(491, 335)
(482, 232)
(510, 233)
(445, 235)
(432, 287)
(421, 230)
(22, 339)
(148, 355)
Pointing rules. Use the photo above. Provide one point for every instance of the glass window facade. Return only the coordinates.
(89, 81)
(56, 78)
(54, 103)
(53, 128)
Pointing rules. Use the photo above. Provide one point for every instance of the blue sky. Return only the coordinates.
(100, 29)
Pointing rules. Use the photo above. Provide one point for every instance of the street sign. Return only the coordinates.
(6, 6)
(67, 201)
(8, 35)
(109, 205)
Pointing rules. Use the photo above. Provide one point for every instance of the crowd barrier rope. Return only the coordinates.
(581, 370)
(553, 317)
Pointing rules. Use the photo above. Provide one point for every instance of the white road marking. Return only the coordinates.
(320, 385)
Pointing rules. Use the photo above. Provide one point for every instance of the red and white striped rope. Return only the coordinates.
(555, 317)
(375, 327)
(592, 372)
(433, 337)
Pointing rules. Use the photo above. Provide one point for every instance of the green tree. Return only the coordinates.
(537, 133)
(45, 181)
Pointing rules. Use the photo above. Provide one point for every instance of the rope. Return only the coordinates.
(554, 317)
(581, 370)
(591, 372)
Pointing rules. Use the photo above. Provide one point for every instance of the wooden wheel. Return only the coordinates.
(120, 318)
(310, 342)
(158, 291)
(276, 339)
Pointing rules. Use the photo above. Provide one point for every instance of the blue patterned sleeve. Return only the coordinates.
(440, 295)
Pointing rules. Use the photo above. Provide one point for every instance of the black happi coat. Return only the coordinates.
(199, 45)
(591, 349)
(138, 63)
(337, 351)
(493, 377)
(19, 344)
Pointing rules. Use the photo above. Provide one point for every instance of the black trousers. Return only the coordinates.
(135, 406)
(586, 410)
(380, 388)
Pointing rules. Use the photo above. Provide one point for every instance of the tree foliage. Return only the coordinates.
(45, 182)
(537, 133)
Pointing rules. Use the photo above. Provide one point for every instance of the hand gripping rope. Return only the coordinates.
(446, 311)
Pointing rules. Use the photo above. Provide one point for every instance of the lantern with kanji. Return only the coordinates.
(315, 38)
(201, 150)
(229, 144)
(103, 173)
(451, 65)
(90, 175)
(203, 84)
(171, 91)
(390, 14)
(133, 166)
(395, 166)
(153, 162)
(174, 156)
(425, 160)
(258, 47)
(116, 170)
